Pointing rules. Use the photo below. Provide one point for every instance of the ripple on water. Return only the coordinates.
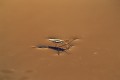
(7, 71)
(24, 78)
(5, 77)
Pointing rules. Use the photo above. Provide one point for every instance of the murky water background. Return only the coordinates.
(25, 23)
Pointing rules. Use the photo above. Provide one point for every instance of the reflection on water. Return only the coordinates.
(26, 23)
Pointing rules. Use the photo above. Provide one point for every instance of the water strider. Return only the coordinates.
(61, 48)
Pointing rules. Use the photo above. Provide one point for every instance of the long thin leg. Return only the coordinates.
(66, 52)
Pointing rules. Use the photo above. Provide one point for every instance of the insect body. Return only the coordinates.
(61, 48)
(56, 40)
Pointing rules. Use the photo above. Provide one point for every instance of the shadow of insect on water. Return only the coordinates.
(62, 48)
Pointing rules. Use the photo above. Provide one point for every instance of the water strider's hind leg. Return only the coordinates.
(66, 52)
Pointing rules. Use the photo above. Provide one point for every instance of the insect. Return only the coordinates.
(59, 49)
(63, 47)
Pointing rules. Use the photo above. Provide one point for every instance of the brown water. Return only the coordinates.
(25, 23)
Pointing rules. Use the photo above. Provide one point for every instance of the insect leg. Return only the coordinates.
(66, 52)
